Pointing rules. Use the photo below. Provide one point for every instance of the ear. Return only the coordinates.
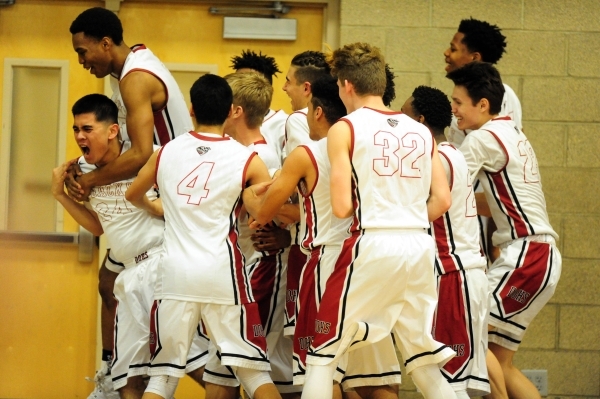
(106, 43)
(484, 105)
(236, 111)
(307, 88)
(476, 56)
(319, 113)
(421, 119)
(192, 114)
(348, 86)
(113, 131)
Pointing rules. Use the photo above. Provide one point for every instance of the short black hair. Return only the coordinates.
(483, 38)
(390, 88)
(211, 99)
(481, 80)
(310, 65)
(434, 106)
(325, 94)
(98, 23)
(101, 106)
(258, 62)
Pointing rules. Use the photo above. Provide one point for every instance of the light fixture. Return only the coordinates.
(276, 11)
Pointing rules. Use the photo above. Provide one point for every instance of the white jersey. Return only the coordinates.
(129, 230)
(391, 170)
(201, 177)
(268, 156)
(169, 122)
(456, 232)
(511, 106)
(320, 225)
(273, 129)
(502, 158)
(296, 131)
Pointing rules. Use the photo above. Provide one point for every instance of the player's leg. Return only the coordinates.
(517, 385)
(215, 391)
(380, 392)
(134, 389)
(106, 285)
(496, 377)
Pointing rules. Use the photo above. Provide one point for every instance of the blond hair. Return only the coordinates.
(253, 93)
(362, 65)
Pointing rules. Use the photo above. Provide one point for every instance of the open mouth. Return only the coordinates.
(85, 150)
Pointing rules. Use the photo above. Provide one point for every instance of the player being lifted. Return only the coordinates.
(524, 276)
(386, 175)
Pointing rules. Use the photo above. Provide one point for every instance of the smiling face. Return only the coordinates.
(93, 54)
(295, 90)
(458, 55)
(468, 115)
(94, 138)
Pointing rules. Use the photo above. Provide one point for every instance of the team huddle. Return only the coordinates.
(295, 255)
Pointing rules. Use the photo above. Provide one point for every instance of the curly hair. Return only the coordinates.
(98, 22)
(434, 105)
(310, 65)
(390, 88)
(258, 62)
(483, 38)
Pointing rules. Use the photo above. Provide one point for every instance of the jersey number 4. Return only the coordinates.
(412, 145)
(194, 184)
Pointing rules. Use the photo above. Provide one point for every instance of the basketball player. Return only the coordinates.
(151, 109)
(525, 275)
(273, 125)
(304, 69)
(386, 175)
(373, 370)
(96, 132)
(252, 95)
(201, 175)
(461, 317)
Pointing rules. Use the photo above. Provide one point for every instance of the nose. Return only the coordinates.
(447, 52)
(80, 59)
(284, 88)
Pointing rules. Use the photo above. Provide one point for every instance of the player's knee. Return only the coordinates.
(162, 385)
(106, 285)
(252, 379)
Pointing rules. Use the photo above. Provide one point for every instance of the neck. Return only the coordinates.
(216, 129)
(120, 55)
(247, 136)
(371, 101)
(485, 119)
(439, 137)
(113, 152)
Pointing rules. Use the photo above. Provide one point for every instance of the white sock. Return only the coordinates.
(432, 383)
(318, 383)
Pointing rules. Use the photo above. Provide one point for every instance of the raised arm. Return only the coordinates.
(136, 193)
(338, 150)
(139, 90)
(440, 199)
(82, 215)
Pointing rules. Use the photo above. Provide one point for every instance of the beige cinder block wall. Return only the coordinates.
(553, 64)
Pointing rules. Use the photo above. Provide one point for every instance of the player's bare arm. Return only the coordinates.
(483, 208)
(141, 93)
(440, 199)
(136, 193)
(338, 151)
(296, 167)
(82, 215)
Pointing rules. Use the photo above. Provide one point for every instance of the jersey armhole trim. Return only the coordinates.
(250, 158)
(161, 109)
(157, 165)
(503, 149)
(315, 165)
(451, 182)
(351, 152)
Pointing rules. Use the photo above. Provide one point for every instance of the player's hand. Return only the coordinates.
(271, 238)
(59, 174)
(73, 187)
(253, 224)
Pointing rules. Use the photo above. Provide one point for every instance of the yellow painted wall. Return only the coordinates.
(48, 300)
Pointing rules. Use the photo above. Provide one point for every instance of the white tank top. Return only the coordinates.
(273, 129)
(321, 227)
(169, 122)
(503, 160)
(129, 230)
(391, 170)
(456, 232)
(201, 177)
